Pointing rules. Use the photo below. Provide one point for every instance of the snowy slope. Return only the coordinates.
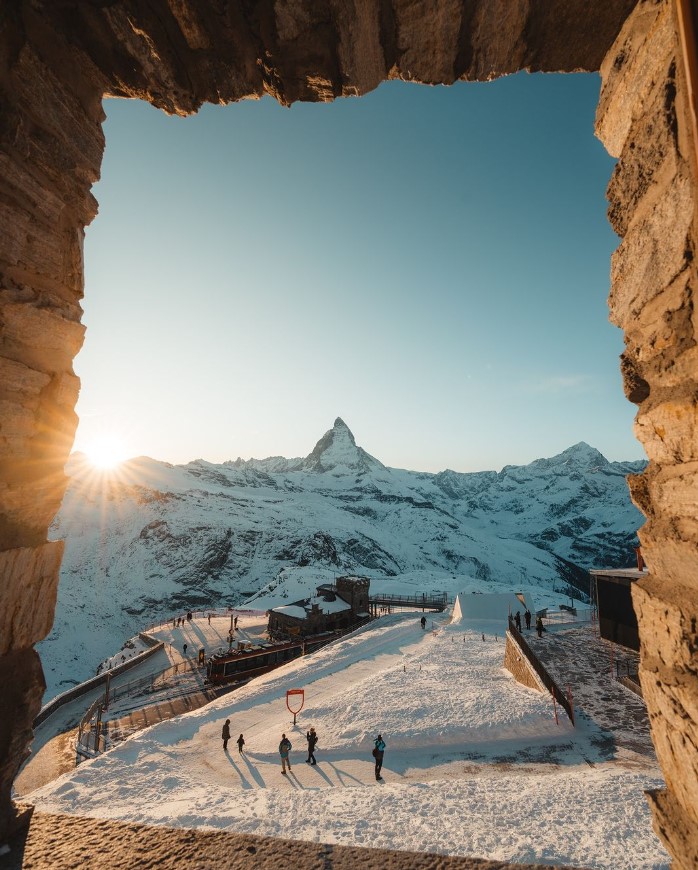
(160, 539)
(475, 764)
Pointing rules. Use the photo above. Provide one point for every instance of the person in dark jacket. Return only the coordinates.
(241, 743)
(540, 628)
(284, 749)
(378, 750)
(527, 617)
(311, 737)
(517, 620)
(225, 734)
(423, 621)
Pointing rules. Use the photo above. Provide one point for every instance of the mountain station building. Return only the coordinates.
(617, 618)
(334, 607)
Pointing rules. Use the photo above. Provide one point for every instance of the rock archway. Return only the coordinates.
(59, 58)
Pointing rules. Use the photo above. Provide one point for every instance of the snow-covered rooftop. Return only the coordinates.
(300, 611)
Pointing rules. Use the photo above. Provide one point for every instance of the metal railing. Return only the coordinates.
(542, 672)
(100, 679)
(151, 683)
(569, 614)
(439, 601)
(201, 614)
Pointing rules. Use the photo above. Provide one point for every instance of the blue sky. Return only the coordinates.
(430, 264)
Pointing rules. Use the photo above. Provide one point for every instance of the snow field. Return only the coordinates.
(475, 764)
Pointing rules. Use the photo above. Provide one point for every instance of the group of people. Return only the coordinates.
(225, 734)
(527, 617)
(540, 628)
(285, 749)
(311, 737)
(182, 620)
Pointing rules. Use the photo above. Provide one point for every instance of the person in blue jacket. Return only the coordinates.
(378, 750)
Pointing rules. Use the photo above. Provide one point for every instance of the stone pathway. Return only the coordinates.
(575, 657)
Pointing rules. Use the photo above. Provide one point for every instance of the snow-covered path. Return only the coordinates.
(474, 765)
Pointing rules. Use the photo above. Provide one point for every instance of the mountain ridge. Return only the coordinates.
(166, 538)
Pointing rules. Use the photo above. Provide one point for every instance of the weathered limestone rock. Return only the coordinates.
(50, 152)
(643, 119)
(57, 60)
(25, 620)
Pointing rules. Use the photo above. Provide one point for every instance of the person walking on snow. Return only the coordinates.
(241, 743)
(225, 734)
(284, 749)
(423, 620)
(517, 620)
(378, 750)
(540, 628)
(527, 617)
(311, 737)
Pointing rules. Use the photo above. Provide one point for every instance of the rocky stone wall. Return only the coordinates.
(643, 120)
(518, 665)
(57, 60)
(50, 153)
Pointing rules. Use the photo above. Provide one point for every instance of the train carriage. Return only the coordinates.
(251, 660)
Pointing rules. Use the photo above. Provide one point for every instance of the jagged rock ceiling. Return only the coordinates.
(178, 54)
(59, 58)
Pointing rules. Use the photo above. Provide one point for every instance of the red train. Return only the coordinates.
(252, 660)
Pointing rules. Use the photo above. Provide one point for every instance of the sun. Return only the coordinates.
(106, 452)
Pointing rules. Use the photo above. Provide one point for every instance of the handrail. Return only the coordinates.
(214, 611)
(98, 680)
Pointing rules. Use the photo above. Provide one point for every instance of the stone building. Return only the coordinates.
(335, 606)
(61, 59)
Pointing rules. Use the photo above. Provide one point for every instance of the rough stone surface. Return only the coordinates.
(58, 59)
(179, 54)
(518, 665)
(643, 118)
(25, 620)
(62, 842)
(22, 699)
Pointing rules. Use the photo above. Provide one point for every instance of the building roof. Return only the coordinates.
(301, 609)
(619, 574)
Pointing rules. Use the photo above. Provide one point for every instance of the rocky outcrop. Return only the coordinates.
(59, 59)
(643, 119)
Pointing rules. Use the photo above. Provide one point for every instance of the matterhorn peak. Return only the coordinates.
(337, 450)
(584, 453)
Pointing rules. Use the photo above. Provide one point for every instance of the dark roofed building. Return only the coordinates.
(617, 619)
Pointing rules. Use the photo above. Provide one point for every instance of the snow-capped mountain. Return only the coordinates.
(160, 539)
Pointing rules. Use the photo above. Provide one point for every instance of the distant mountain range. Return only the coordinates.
(161, 538)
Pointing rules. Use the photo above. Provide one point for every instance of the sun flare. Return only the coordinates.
(106, 452)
